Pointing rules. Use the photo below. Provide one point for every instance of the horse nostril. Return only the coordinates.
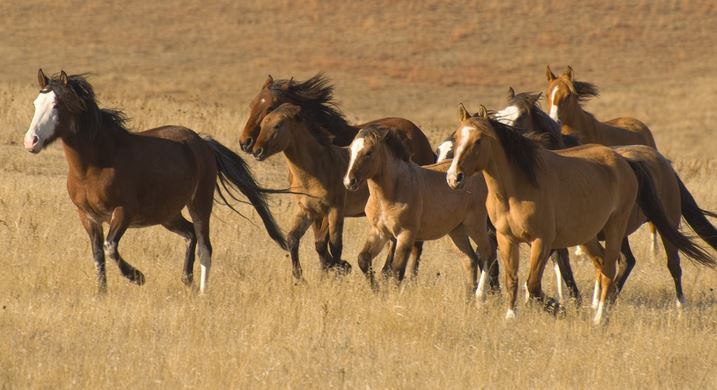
(246, 145)
(35, 140)
(459, 177)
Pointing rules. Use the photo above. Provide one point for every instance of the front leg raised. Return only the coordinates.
(373, 245)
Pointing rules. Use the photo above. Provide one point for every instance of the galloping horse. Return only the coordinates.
(565, 95)
(409, 202)
(321, 115)
(138, 179)
(557, 199)
(674, 196)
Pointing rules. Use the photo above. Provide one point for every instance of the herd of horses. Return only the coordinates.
(517, 175)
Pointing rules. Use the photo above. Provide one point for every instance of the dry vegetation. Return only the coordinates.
(197, 64)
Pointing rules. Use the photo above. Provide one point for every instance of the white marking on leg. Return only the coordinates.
(599, 314)
(558, 281)
(443, 150)
(579, 250)
(554, 107)
(356, 146)
(596, 294)
(508, 115)
(204, 278)
(510, 314)
(43, 123)
(680, 303)
(480, 291)
(527, 293)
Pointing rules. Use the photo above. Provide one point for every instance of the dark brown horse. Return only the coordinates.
(321, 115)
(138, 179)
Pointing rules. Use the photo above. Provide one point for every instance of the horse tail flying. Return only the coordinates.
(233, 174)
(653, 209)
(695, 216)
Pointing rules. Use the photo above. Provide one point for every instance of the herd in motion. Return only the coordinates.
(517, 175)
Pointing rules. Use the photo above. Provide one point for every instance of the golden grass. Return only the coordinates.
(199, 64)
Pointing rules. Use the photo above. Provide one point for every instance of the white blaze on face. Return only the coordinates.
(43, 122)
(554, 107)
(508, 115)
(465, 134)
(356, 146)
(443, 150)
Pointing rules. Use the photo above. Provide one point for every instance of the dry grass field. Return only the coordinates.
(199, 63)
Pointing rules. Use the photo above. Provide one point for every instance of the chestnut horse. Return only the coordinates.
(409, 202)
(138, 179)
(674, 196)
(321, 115)
(556, 199)
(565, 95)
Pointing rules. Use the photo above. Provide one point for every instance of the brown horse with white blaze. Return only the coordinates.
(138, 179)
(557, 199)
(410, 202)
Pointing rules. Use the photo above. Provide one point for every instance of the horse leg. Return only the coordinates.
(184, 228)
(118, 226)
(625, 267)
(486, 246)
(94, 230)
(673, 264)
(386, 271)
(491, 263)
(539, 254)
(509, 256)
(404, 243)
(373, 245)
(321, 241)
(469, 259)
(414, 260)
(655, 247)
(336, 232)
(604, 260)
(301, 223)
(561, 257)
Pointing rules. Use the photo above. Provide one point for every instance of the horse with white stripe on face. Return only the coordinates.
(138, 179)
(556, 199)
(410, 202)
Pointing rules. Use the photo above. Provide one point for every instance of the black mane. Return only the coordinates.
(79, 99)
(585, 90)
(521, 151)
(315, 96)
(396, 144)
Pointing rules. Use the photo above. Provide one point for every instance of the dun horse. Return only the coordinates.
(409, 202)
(674, 196)
(565, 95)
(557, 199)
(320, 115)
(138, 179)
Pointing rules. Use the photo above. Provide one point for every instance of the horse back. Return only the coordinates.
(626, 131)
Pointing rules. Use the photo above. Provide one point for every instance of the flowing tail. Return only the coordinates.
(695, 216)
(233, 174)
(652, 207)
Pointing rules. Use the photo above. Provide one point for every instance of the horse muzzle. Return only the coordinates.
(246, 145)
(351, 183)
(259, 154)
(456, 180)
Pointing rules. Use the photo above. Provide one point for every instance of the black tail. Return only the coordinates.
(652, 207)
(235, 174)
(695, 216)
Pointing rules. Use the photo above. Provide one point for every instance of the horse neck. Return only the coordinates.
(580, 123)
(389, 177)
(84, 154)
(500, 179)
(304, 151)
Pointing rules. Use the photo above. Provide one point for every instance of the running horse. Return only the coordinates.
(321, 115)
(138, 179)
(556, 199)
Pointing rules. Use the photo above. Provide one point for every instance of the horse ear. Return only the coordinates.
(64, 78)
(569, 73)
(42, 80)
(534, 99)
(463, 113)
(482, 112)
(549, 73)
(269, 81)
(511, 93)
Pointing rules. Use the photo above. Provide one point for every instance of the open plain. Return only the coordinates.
(199, 64)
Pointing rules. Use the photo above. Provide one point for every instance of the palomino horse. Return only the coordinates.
(565, 95)
(409, 202)
(138, 179)
(674, 196)
(322, 116)
(556, 199)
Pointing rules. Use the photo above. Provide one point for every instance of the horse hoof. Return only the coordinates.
(187, 279)
(137, 278)
(553, 307)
